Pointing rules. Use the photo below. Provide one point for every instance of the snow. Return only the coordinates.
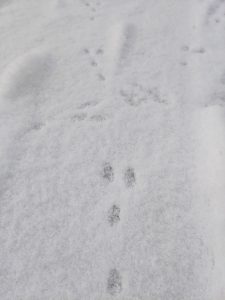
(112, 150)
(210, 127)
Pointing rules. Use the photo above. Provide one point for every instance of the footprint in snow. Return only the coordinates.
(199, 50)
(129, 177)
(214, 8)
(136, 95)
(88, 104)
(98, 118)
(107, 172)
(94, 58)
(79, 117)
(114, 215)
(114, 282)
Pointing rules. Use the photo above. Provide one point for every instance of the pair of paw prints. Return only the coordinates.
(199, 50)
(94, 58)
(93, 7)
(129, 176)
(78, 117)
(129, 179)
(81, 116)
(135, 95)
(188, 50)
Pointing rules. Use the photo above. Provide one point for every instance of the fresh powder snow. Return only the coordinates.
(112, 149)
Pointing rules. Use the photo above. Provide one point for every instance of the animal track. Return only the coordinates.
(88, 104)
(37, 126)
(135, 95)
(108, 173)
(94, 60)
(98, 118)
(156, 97)
(183, 63)
(214, 9)
(114, 215)
(92, 7)
(129, 177)
(93, 55)
(101, 77)
(93, 63)
(99, 51)
(86, 51)
(79, 117)
(185, 48)
(83, 115)
(114, 283)
(199, 50)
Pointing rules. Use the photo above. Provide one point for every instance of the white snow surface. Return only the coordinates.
(112, 149)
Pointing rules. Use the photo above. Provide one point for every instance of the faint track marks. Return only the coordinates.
(114, 215)
(114, 282)
(135, 95)
(129, 177)
(107, 172)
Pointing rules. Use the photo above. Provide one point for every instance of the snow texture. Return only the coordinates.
(112, 153)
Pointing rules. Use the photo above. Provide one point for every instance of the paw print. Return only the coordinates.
(94, 58)
(136, 94)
